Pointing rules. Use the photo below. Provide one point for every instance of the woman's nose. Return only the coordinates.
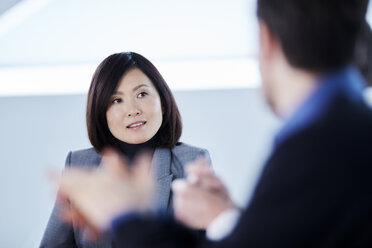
(134, 113)
(133, 110)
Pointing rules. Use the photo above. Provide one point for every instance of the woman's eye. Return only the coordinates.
(116, 100)
(142, 94)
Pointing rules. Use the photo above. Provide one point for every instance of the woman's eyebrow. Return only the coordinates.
(117, 93)
(134, 89)
(139, 86)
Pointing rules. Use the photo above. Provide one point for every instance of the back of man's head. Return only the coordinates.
(315, 35)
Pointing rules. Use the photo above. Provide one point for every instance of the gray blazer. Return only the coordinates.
(168, 165)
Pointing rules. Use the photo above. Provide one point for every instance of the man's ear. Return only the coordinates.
(268, 42)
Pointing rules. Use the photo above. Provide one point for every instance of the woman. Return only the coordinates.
(131, 108)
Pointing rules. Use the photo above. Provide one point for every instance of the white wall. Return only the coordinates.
(37, 132)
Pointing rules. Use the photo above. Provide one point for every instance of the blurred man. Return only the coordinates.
(196, 210)
(315, 189)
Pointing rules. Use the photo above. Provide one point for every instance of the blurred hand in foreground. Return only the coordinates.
(201, 197)
(97, 196)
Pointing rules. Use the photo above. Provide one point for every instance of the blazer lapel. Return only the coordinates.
(161, 167)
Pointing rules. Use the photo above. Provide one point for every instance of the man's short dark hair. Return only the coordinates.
(104, 82)
(316, 35)
(363, 53)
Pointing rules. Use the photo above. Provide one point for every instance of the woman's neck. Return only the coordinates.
(130, 151)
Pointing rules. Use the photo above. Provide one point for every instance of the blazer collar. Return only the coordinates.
(161, 162)
(161, 167)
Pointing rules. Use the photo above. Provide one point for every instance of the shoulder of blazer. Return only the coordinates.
(185, 153)
(85, 157)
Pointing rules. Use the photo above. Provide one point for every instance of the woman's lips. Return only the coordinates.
(136, 125)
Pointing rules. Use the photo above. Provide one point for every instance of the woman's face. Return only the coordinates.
(135, 113)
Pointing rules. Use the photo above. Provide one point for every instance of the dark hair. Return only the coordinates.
(316, 35)
(104, 82)
(363, 53)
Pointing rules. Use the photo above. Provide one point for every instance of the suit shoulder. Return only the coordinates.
(85, 152)
(83, 157)
(185, 152)
(182, 148)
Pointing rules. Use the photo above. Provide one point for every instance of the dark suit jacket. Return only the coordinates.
(168, 165)
(315, 191)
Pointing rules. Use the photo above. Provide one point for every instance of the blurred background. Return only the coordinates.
(49, 49)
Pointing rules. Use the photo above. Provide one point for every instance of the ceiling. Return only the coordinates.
(52, 32)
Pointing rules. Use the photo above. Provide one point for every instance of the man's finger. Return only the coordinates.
(90, 234)
(199, 167)
(143, 161)
(70, 178)
(179, 186)
(212, 183)
(141, 168)
(113, 163)
(53, 176)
